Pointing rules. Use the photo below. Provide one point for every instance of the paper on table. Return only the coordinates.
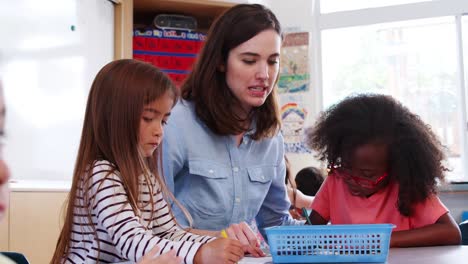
(252, 260)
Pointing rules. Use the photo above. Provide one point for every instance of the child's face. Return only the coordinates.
(153, 118)
(4, 173)
(367, 169)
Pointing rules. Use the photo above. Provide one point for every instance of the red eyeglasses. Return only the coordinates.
(348, 175)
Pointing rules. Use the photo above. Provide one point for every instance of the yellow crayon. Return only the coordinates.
(224, 234)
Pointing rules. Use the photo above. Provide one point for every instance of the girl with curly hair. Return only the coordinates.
(384, 165)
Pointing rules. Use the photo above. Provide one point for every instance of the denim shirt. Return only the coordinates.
(218, 182)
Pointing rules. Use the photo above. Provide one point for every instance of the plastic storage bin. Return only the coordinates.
(329, 243)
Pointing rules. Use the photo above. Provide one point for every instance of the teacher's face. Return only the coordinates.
(252, 68)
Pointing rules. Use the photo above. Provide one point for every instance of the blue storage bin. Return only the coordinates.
(464, 216)
(329, 243)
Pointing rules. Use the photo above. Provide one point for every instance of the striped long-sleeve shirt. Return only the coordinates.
(123, 235)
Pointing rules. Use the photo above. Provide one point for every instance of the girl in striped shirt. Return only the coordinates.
(117, 209)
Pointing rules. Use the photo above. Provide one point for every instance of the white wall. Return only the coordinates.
(297, 15)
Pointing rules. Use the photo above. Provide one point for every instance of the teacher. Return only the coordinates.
(223, 155)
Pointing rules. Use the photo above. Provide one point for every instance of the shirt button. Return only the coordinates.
(263, 177)
(235, 169)
(237, 200)
(211, 171)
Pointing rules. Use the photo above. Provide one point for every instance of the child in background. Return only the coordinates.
(308, 180)
(384, 167)
(117, 209)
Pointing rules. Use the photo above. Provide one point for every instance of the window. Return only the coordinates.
(415, 60)
(328, 6)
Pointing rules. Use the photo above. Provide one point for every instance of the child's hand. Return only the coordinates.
(246, 237)
(166, 258)
(296, 213)
(221, 250)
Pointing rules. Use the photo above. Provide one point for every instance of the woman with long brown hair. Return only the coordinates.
(223, 155)
(117, 208)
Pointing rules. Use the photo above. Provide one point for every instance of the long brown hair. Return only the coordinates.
(110, 132)
(206, 86)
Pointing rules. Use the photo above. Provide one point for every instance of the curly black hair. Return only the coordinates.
(415, 153)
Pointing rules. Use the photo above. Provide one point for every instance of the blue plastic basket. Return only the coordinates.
(329, 243)
(464, 216)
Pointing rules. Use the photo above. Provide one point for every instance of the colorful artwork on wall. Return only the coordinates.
(294, 72)
(293, 118)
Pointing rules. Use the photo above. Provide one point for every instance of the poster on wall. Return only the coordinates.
(293, 115)
(294, 62)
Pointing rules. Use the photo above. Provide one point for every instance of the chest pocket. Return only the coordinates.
(209, 184)
(208, 169)
(260, 182)
(261, 174)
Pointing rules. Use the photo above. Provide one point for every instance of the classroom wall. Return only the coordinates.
(456, 202)
(297, 16)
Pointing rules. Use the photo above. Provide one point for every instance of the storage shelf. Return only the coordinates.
(128, 12)
(195, 8)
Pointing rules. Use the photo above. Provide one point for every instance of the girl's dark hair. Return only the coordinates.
(415, 153)
(206, 85)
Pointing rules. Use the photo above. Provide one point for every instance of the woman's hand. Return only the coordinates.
(166, 258)
(221, 250)
(246, 237)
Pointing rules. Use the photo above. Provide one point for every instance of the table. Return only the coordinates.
(417, 255)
